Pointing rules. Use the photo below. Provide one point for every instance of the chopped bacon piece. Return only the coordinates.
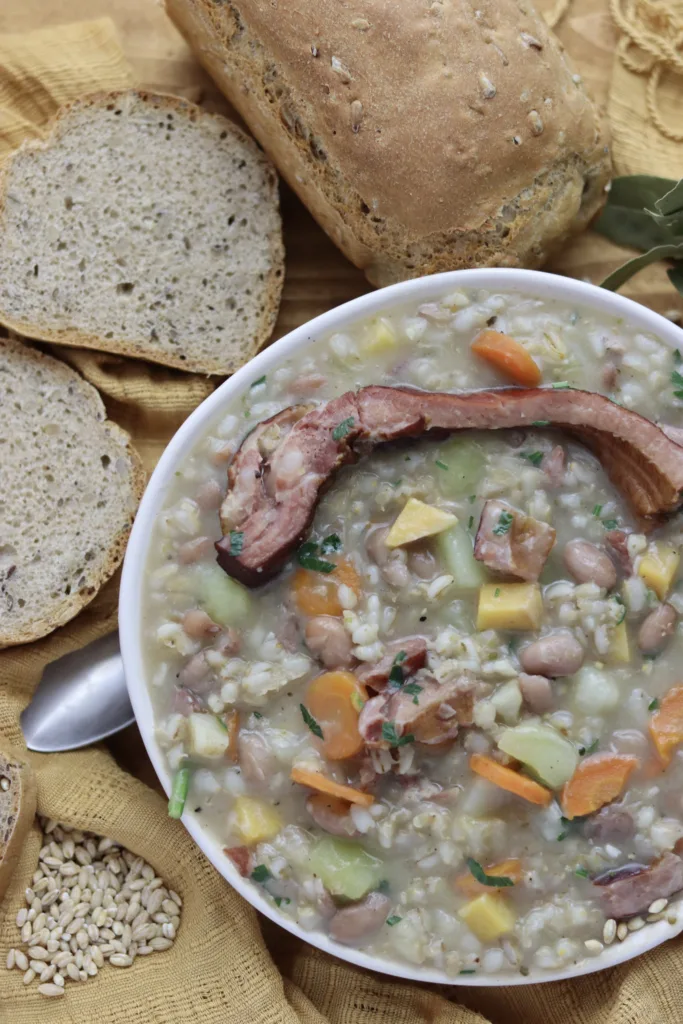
(241, 858)
(376, 676)
(507, 541)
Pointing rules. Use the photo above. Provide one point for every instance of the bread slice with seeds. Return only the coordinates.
(69, 486)
(145, 226)
(17, 810)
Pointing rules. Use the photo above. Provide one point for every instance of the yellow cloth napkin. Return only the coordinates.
(226, 965)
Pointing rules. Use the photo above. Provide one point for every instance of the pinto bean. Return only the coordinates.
(209, 496)
(392, 564)
(330, 814)
(422, 563)
(328, 641)
(537, 692)
(588, 564)
(361, 920)
(228, 641)
(656, 629)
(195, 670)
(195, 550)
(199, 625)
(255, 759)
(610, 824)
(558, 654)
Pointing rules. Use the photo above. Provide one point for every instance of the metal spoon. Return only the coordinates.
(81, 698)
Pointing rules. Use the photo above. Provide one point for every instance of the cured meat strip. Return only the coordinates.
(376, 676)
(520, 549)
(273, 491)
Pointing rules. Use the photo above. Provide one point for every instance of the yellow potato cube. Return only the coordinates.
(381, 336)
(658, 568)
(418, 520)
(510, 606)
(619, 652)
(489, 916)
(256, 820)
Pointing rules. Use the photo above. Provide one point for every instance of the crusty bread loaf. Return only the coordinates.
(422, 136)
(146, 226)
(17, 810)
(69, 486)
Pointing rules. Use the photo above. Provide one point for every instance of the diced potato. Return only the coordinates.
(381, 336)
(658, 568)
(255, 820)
(465, 462)
(455, 547)
(507, 700)
(595, 693)
(510, 606)
(207, 737)
(489, 916)
(418, 520)
(345, 868)
(543, 749)
(226, 601)
(619, 649)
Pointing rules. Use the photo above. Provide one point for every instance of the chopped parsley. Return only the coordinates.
(540, 423)
(592, 747)
(308, 557)
(470, 522)
(472, 499)
(279, 900)
(394, 919)
(391, 736)
(396, 673)
(505, 521)
(562, 835)
(653, 705)
(330, 543)
(236, 542)
(677, 381)
(468, 970)
(257, 714)
(260, 873)
(383, 886)
(610, 524)
(441, 465)
(597, 509)
(582, 873)
(342, 429)
(620, 601)
(311, 722)
(414, 689)
(535, 458)
(677, 357)
(261, 380)
(496, 592)
(561, 385)
(495, 881)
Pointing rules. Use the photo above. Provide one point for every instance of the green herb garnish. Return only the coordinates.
(561, 385)
(505, 521)
(260, 873)
(330, 543)
(396, 672)
(468, 970)
(562, 835)
(597, 509)
(394, 919)
(279, 900)
(261, 380)
(441, 465)
(472, 498)
(653, 705)
(496, 592)
(678, 358)
(414, 689)
(620, 601)
(257, 714)
(496, 881)
(391, 736)
(610, 524)
(535, 458)
(342, 429)
(677, 381)
(645, 213)
(540, 423)
(236, 542)
(308, 557)
(383, 886)
(582, 873)
(592, 747)
(179, 789)
(470, 522)
(311, 722)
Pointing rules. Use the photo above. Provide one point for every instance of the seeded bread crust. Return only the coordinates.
(153, 281)
(70, 482)
(422, 136)
(17, 810)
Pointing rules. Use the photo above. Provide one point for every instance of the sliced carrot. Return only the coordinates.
(470, 887)
(666, 725)
(320, 782)
(334, 804)
(597, 781)
(315, 593)
(512, 781)
(508, 356)
(335, 699)
(231, 720)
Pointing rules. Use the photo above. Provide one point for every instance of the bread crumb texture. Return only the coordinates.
(145, 226)
(69, 486)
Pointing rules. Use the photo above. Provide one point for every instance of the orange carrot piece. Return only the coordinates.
(315, 593)
(334, 699)
(666, 724)
(334, 804)
(508, 356)
(597, 781)
(470, 887)
(320, 782)
(513, 782)
(231, 721)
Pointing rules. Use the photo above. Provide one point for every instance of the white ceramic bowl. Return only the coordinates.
(131, 606)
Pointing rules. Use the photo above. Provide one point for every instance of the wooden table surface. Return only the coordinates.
(318, 277)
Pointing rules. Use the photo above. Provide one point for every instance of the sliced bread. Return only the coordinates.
(17, 809)
(145, 226)
(69, 486)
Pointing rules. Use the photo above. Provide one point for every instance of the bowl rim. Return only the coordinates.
(532, 283)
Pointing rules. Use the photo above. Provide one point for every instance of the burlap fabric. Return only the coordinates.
(226, 966)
